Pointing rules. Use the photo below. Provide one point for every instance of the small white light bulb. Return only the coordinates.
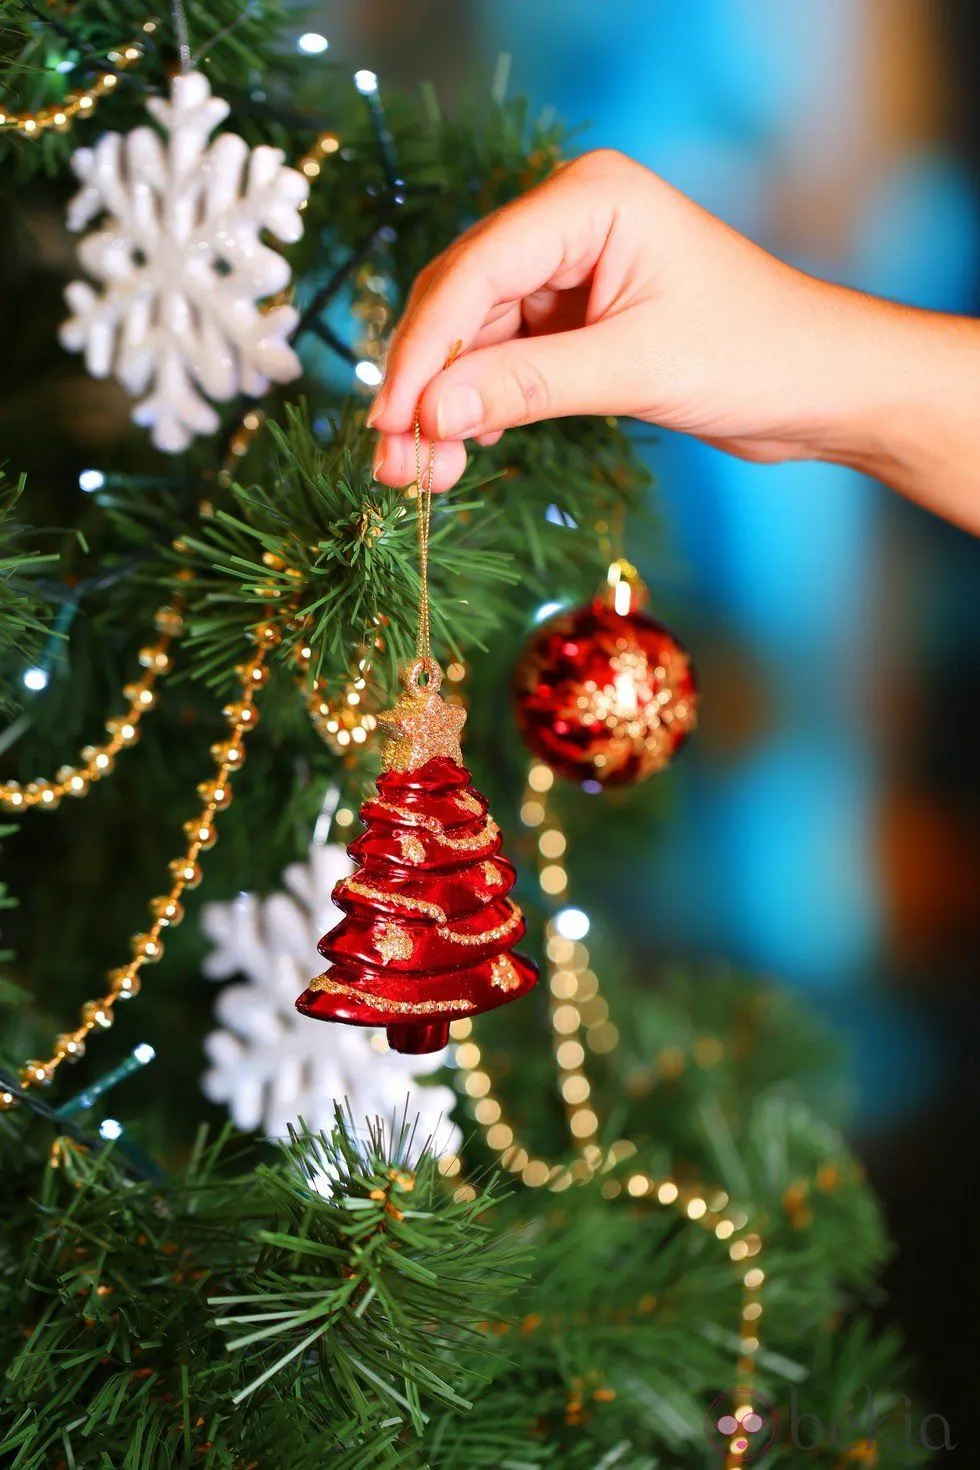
(311, 43)
(90, 480)
(110, 1129)
(369, 373)
(366, 81)
(572, 923)
(35, 679)
(545, 611)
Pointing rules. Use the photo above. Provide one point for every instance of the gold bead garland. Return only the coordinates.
(123, 730)
(167, 910)
(372, 309)
(60, 116)
(344, 721)
(312, 160)
(580, 1022)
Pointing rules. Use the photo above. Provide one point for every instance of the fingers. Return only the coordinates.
(553, 236)
(592, 370)
(395, 464)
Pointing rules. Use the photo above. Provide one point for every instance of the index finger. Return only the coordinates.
(551, 236)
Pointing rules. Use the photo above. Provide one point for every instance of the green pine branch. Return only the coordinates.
(333, 1303)
(335, 556)
(23, 610)
(304, 1307)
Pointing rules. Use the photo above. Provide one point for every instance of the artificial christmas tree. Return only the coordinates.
(167, 1300)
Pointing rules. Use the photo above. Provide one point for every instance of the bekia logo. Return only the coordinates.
(742, 1430)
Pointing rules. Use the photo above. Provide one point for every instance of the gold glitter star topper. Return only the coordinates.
(421, 726)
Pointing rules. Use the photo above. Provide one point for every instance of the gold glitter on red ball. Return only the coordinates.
(604, 692)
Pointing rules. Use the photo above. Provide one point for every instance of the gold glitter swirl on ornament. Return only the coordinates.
(486, 936)
(503, 973)
(469, 803)
(434, 827)
(492, 876)
(399, 1007)
(399, 900)
(393, 943)
(469, 844)
(413, 849)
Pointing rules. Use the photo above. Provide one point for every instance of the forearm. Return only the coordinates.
(905, 406)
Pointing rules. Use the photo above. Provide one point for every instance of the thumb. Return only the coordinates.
(588, 371)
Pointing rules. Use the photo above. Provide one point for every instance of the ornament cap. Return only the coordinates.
(625, 590)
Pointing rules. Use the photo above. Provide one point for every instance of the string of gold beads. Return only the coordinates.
(60, 116)
(580, 1021)
(185, 871)
(372, 309)
(340, 722)
(312, 160)
(123, 730)
(241, 439)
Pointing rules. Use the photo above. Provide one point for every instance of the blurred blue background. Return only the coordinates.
(824, 826)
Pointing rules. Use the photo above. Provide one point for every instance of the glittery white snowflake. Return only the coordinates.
(182, 265)
(269, 1063)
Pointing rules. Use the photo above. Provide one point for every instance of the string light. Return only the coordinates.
(346, 721)
(546, 610)
(366, 82)
(569, 923)
(91, 480)
(141, 1056)
(580, 1023)
(35, 679)
(372, 310)
(60, 116)
(369, 373)
(311, 43)
(110, 1129)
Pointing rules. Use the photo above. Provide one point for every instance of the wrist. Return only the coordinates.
(903, 401)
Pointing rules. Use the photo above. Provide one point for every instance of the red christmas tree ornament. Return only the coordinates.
(605, 693)
(428, 928)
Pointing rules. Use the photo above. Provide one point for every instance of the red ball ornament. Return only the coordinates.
(428, 925)
(603, 692)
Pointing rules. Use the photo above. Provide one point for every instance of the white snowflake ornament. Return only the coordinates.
(268, 1063)
(181, 264)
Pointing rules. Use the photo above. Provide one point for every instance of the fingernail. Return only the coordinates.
(379, 459)
(458, 412)
(374, 412)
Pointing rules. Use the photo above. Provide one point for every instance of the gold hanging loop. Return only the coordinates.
(423, 490)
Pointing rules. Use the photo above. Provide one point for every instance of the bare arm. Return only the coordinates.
(606, 291)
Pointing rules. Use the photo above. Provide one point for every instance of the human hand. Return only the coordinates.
(602, 291)
(606, 291)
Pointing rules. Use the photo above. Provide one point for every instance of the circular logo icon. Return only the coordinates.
(742, 1426)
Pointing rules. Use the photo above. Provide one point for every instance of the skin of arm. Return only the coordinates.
(606, 291)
